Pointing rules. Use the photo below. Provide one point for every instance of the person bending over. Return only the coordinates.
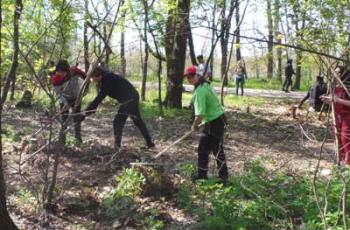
(120, 89)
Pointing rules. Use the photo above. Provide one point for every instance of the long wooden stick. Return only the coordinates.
(167, 148)
(173, 144)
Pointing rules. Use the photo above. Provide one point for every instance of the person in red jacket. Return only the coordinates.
(341, 100)
(67, 88)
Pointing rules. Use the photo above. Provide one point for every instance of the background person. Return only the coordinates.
(208, 110)
(239, 77)
(201, 68)
(119, 88)
(288, 71)
(314, 93)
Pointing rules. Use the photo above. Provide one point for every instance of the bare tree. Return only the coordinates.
(11, 76)
(225, 35)
(238, 32)
(278, 39)
(299, 17)
(122, 41)
(6, 222)
(270, 39)
(86, 42)
(145, 61)
(175, 50)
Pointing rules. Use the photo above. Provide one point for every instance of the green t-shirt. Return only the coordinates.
(206, 103)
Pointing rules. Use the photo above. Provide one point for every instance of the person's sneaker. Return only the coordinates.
(148, 146)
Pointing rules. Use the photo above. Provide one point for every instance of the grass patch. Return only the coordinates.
(242, 102)
(259, 200)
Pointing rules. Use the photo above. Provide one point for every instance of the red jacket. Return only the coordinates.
(68, 88)
(58, 80)
(340, 92)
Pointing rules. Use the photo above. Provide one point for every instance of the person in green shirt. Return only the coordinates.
(208, 111)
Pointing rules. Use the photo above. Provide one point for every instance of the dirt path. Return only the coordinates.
(247, 92)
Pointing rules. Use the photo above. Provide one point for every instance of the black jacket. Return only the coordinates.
(289, 71)
(314, 94)
(114, 86)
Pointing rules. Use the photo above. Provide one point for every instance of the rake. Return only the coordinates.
(150, 162)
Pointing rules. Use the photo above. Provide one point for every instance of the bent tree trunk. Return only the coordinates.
(175, 49)
(12, 74)
(6, 222)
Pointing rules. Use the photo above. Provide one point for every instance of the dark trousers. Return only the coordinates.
(287, 82)
(77, 124)
(240, 83)
(212, 142)
(130, 108)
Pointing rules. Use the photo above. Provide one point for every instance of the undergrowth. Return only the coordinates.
(258, 200)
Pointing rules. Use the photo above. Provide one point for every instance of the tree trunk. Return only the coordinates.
(145, 61)
(225, 33)
(277, 20)
(122, 43)
(86, 42)
(13, 88)
(105, 35)
(299, 38)
(213, 43)
(175, 49)
(238, 32)
(270, 43)
(6, 222)
(296, 85)
(191, 46)
(13, 71)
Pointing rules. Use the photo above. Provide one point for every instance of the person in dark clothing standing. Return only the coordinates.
(208, 111)
(314, 93)
(66, 85)
(288, 71)
(119, 88)
(240, 76)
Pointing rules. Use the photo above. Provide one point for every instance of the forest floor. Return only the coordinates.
(266, 132)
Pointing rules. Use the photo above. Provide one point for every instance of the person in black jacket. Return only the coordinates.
(119, 88)
(314, 93)
(288, 71)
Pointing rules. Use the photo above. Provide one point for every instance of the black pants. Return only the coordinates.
(287, 82)
(77, 124)
(240, 83)
(212, 141)
(130, 108)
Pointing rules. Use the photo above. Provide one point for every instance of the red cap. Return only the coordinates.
(192, 70)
